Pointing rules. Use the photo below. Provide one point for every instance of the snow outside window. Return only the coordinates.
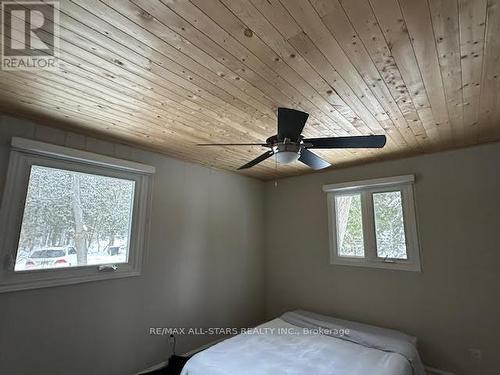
(74, 219)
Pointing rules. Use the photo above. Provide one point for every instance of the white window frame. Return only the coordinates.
(366, 189)
(25, 153)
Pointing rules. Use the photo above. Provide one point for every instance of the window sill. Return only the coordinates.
(399, 266)
(59, 280)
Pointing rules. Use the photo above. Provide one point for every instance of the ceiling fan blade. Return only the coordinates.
(291, 123)
(232, 144)
(363, 141)
(255, 161)
(312, 160)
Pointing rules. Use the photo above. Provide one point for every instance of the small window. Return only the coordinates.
(372, 223)
(71, 216)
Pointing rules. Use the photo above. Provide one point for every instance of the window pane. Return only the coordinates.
(389, 225)
(349, 226)
(74, 219)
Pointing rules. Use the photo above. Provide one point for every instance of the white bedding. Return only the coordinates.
(296, 352)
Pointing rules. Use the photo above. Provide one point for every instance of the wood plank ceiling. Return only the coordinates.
(169, 74)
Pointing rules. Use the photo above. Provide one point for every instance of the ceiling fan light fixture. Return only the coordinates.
(287, 157)
(287, 153)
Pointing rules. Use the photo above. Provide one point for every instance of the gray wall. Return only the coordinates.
(206, 266)
(204, 269)
(453, 305)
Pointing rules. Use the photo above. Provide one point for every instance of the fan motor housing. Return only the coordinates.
(286, 147)
(275, 139)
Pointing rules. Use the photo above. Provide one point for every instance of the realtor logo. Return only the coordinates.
(30, 35)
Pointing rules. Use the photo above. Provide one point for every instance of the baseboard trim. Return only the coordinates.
(188, 354)
(434, 371)
(152, 368)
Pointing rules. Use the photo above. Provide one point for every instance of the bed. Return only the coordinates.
(301, 342)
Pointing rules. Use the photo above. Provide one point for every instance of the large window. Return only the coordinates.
(372, 223)
(71, 216)
(74, 219)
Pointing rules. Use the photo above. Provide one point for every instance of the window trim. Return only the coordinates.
(25, 153)
(65, 153)
(366, 188)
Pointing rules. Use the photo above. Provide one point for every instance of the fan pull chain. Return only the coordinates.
(276, 170)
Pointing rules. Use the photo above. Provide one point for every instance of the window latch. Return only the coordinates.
(387, 260)
(107, 268)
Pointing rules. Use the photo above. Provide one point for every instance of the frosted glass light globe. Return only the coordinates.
(286, 157)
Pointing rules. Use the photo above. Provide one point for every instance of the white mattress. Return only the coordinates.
(297, 353)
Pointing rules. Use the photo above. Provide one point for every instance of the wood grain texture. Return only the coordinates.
(165, 75)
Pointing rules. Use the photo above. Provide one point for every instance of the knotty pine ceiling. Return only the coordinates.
(165, 75)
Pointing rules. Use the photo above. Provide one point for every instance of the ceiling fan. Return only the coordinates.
(289, 144)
